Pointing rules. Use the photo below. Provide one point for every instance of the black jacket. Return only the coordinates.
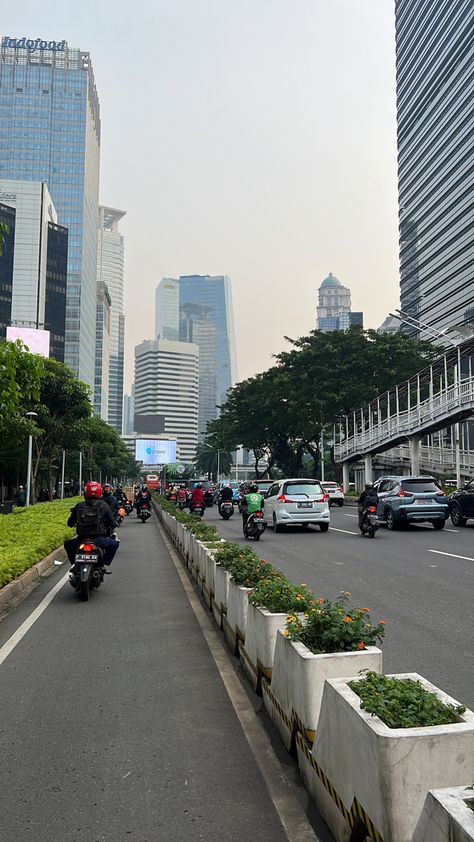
(107, 516)
(369, 497)
(226, 493)
(111, 501)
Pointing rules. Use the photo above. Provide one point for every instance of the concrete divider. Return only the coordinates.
(446, 816)
(235, 621)
(258, 652)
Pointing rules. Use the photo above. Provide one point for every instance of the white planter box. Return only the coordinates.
(219, 605)
(235, 624)
(387, 772)
(260, 641)
(445, 816)
(298, 682)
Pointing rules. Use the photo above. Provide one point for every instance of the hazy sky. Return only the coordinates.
(253, 138)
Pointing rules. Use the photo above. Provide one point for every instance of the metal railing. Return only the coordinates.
(432, 458)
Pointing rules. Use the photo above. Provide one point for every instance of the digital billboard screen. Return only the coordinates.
(155, 451)
(37, 341)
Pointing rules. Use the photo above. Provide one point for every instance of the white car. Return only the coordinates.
(336, 494)
(296, 502)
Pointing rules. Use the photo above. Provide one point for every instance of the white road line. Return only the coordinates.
(452, 555)
(356, 516)
(346, 531)
(17, 636)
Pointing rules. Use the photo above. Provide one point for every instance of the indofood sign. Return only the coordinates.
(32, 45)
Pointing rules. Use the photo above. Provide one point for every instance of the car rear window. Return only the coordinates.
(329, 484)
(309, 489)
(264, 486)
(420, 486)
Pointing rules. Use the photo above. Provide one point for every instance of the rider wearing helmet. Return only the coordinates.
(197, 496)
(251, 502)
(369, 497)
(226, 494)
(142, 497)
(182, 495)
(108, 496)
(93, 519)
(120, 496)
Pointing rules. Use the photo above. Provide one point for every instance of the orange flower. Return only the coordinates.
(320, 601)
(382, 622)
(285, 633)
(347, 620)
(361, 645)
(365, 610)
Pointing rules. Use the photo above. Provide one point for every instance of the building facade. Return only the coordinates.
(167, 309)
(50, 132)
(435, 114)
(196, 325)
(334, 307)
(110, 270)
(102, 352)
(128, 412)
(166, 384)
(33, 269)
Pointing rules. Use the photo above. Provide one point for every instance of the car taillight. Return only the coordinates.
(403, 493)
(338, 490)
(325, 498)
(88, 548)
(281, 499)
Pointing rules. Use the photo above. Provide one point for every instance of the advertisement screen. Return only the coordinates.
(155, 451)
(37, 341)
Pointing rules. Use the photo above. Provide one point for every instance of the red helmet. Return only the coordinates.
(93, 490)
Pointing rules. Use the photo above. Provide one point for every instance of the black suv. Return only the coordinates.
(461, 504)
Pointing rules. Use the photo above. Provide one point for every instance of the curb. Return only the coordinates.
(17, 590)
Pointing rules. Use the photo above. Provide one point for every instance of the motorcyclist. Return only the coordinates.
(369, 497)
(143, 497)
(226, 494)
(110, 499)
(120, 496)
(197, 496)
(182, 495)
(251, 502)
(172, 492)
(101, 524)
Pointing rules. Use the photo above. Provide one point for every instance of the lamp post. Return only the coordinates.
(30, 416)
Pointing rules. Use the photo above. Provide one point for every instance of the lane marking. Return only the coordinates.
(452, 555)
(17, 636)
(356, 516)
(345, 531)
(280, 788)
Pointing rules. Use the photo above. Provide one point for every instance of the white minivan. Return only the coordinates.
(296, 502)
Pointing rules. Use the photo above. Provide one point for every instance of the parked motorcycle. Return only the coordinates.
(226, 509)
(255, 526)
(369, 522)
(144, 512)
(88, 571)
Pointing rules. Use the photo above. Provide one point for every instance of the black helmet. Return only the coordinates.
(107, 488)
(144, 487)
(253, 488)
(369, 485)
(199, 485)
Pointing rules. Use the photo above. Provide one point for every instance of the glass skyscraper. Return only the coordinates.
(50, 132)
(110, 270)
(435, 103)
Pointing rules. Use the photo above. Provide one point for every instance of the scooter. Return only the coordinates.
(369, 522)
(128, 506)
(88, 570)
(144, 512)
(196, 509)
(226, 509)
(208, 499)
(255, 526)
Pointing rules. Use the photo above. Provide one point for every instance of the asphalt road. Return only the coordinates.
(412, 579)
(114, 722)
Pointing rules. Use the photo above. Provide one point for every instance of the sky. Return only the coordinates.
(251, 138)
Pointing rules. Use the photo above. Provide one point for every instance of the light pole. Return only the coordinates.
(30, 416)
(80, 472)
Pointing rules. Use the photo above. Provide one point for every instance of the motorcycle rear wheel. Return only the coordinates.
(84, 591)
(371, 532)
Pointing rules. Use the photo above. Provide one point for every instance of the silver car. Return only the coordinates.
(404, 500)
(296, 502)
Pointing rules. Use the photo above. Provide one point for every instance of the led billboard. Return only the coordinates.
(155, 451)
(37, 341)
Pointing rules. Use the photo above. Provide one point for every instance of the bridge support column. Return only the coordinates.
(369, 471)
(415, 455)
(345, 477)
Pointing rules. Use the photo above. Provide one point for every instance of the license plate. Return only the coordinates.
(90, 558)
(305, 505)
(422, 502)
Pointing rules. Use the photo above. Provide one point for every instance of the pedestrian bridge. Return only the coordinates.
(438, 397)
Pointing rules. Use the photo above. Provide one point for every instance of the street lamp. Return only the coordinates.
(30, 416)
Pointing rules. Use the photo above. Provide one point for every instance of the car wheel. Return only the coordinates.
(324, 527)
(340, 503)
(438, 524)
(276, 526)
(390, 520)
(456, 516)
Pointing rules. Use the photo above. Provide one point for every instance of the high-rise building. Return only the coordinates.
(166, 385)
(50, 132)
(102, 352)
(390, 325)
(33, 269)
(196, 325)
(334, 307)
(167, 309)
(110, 270)
(435, 111)
(128, 412)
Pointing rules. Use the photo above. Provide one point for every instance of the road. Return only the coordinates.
(115, 724)
(414, 580)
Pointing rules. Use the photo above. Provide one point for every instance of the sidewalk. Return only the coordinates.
(116, 724)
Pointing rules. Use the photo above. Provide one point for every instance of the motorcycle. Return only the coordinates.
(183, 504)
(172, 498)
(226, 509)
(208, 499)
(88, 570)
(121, 514)
(196, 509)
(255, 526)
(369, 522)
(144, 512)
(128, 506)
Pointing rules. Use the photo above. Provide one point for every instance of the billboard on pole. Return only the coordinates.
(155, 451)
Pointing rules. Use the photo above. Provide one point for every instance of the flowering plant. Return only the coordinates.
(244, 565)
(334, 627)
(277, 594)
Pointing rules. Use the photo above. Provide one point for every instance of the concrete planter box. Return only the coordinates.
(260, 641)
(297, 685)
(235, 622)
(446, 816)
(381, 773)
(219, 605)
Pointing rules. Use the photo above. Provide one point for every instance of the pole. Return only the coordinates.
(322, 456)
(218, 464)
(62, 475)
(80, 472)
(457, 455)
(28, 470)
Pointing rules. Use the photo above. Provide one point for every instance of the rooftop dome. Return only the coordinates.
(330, 281)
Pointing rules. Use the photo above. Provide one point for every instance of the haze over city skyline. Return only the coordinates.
(257, 142)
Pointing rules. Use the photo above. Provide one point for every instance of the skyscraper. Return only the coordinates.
(435, 105)
(102, 352)
(167, 309)
(334, 307)
(196, 326)
(50, 132)
(110, 270)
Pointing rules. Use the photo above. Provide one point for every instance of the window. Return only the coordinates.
(273, 490)
(304, 489)
(420, 486)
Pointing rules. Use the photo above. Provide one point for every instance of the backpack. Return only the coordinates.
(90, 519)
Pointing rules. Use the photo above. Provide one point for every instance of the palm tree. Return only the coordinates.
(209, 459)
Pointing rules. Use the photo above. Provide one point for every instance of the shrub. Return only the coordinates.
(244, 565)
(277, 594)
(333, 627)
(402, 702)
(202, 531)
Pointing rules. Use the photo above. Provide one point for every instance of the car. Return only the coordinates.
(461, 504)
(404, 500)
(336, 494)
(296, 502)
(263, 485)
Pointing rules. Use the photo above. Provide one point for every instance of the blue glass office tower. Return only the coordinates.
(213, 293)
(435, 102)
(50, 132)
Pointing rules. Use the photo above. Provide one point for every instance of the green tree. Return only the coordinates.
(209, 458)
(104, 452)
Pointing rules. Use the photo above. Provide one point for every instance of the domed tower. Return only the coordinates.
(334, 307)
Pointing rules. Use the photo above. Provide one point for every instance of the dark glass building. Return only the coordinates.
(7, 217)
(435, 104)
(56, 286)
